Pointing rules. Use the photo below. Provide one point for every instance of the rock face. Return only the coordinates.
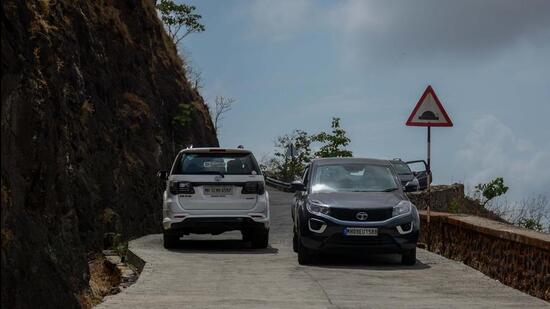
(89, 94)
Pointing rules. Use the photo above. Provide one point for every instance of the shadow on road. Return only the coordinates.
(366, 261)
(220, 246)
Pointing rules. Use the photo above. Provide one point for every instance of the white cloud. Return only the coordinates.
(427, 29)
(278, 20)
(491, 149)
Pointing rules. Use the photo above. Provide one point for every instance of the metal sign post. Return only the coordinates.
(290, 152)
(429, 178)
(429, 112)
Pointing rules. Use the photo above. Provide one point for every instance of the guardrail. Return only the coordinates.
(277, 184)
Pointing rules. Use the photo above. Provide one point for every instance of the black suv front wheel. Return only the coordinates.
(305, 256)
(408, 257)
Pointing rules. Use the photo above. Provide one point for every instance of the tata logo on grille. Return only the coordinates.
(361, 216)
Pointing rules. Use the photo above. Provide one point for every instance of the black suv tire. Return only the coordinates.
(295, 244)
(305, 256)
(170, 241)
(260, 239)
(408, 257)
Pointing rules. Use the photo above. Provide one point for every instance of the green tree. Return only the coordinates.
(491, 190)
(335, 143)
(285, 167)
(179, 19)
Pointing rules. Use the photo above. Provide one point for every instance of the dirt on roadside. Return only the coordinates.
(104, 280)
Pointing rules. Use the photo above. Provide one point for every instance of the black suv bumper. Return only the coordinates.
(389, 239)
(215, 225)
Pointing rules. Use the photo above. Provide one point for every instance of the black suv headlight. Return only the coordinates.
(402, 208)
(317, 207)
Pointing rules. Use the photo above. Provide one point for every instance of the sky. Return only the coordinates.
(295, 64)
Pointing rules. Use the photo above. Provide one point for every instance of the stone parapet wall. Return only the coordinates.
(450, 198)
(517, 257)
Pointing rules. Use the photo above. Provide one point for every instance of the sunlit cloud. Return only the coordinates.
(491, 149)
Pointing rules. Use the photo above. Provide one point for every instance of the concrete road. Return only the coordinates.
(222, 272)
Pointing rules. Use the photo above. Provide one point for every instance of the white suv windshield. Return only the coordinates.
(216, 163)
(353, 178)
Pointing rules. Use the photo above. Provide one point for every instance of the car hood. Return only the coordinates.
(358, 199)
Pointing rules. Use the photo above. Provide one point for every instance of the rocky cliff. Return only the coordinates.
(89, 94)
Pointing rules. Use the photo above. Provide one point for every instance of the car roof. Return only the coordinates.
(326, 161)
(214, 150)
(397, 160)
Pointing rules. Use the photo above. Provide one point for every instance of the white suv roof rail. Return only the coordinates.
(215, 150)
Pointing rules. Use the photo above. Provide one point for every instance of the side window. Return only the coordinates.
(306, 176)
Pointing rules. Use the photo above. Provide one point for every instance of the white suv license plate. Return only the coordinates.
(218, 190)
(360, 231)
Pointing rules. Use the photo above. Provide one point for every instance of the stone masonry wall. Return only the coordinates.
(516, 257)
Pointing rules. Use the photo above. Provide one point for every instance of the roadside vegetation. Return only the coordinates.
(531, 213)
(294, 150)
(181, 20)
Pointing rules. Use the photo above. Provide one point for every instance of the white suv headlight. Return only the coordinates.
(316, 207)
(402, 208)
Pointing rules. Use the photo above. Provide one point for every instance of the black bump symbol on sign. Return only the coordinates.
(428, 115)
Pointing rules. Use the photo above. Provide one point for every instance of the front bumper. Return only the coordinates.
(394, 235)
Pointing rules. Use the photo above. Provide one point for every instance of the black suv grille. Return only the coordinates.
(348, 214)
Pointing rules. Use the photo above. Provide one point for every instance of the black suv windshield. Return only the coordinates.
(216, 163)
(353, 178)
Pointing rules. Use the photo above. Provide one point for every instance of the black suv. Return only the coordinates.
(406, 174)
(352, 203)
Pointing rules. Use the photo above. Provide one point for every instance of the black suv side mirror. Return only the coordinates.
(297, 186)
(410, 187)
(162, 175)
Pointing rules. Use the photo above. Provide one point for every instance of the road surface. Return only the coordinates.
(222, 272)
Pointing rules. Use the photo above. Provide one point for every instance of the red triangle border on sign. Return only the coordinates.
(429, 90)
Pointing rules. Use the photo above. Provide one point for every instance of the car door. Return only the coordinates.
(419, 169)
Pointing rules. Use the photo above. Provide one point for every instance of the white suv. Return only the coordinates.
(214, 190)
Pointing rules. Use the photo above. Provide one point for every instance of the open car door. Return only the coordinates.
(420, 171)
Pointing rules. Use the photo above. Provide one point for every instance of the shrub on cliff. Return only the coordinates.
(179, 19)
(490, 190)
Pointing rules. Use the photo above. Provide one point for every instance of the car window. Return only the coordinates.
(214, 163)
(352, 178)
(401, 168)
(417, 166)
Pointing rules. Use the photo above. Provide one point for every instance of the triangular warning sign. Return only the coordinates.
(429, 112)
